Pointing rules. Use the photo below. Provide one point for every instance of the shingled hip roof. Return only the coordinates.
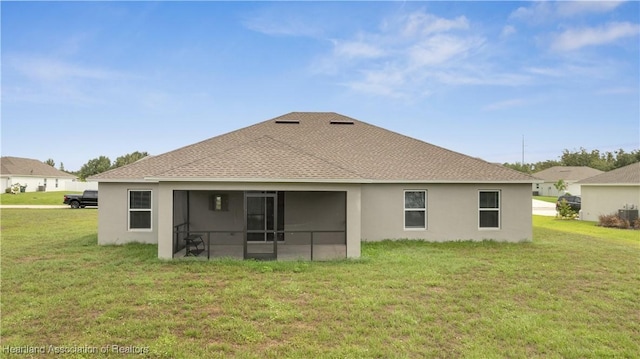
(313, 147)
(567, 173)
(27, 167)
(629, 175)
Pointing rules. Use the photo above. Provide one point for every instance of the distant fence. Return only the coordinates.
(76, 186)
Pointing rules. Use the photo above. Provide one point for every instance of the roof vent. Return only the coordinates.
(341, 122)
(289, 122)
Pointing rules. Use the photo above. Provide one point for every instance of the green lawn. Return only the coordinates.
(44, 198)
(550, 199)
(572, 293)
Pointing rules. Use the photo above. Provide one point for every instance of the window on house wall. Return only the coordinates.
(139, 210)
(489, 209)
(415, 209)
(56, 183)
(219, 202)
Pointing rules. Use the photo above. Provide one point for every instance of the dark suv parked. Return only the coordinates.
(573, 201)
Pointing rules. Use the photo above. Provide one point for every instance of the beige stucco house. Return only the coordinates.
(309, 186)
(569, 174)
(611, 191)
(32, 175)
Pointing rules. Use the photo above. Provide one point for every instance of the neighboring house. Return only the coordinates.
(611, 191)
(310, 186)
(35, 175)
(569, 174)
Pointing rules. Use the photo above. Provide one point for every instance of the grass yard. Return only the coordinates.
(572, 293)
(40, 198)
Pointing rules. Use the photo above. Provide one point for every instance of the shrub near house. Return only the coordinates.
(615, 221)
(565, 211)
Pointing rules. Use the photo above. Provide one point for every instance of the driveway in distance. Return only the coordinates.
(542, 208)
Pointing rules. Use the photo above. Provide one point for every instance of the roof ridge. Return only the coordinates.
(205, 157)
(444, 149)
(253, 140)
(317, 157)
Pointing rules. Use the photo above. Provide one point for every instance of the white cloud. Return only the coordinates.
(538, 12)
(275, 22)
(388, 82)
(574, 39)
(544, 11)
(46, 69)
(579, 69)
(356, 49)
(507, 31)
(420, 23)
(410, 55)
(546, 71)
(48, 80)
(573, 8)
(439, 49)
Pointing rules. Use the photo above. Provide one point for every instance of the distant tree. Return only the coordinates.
(604, 161)
(50, 162)
(593, 159)
(129, 158)
(525, 168)
(623, 159)
(94, 166)
(543, 165)
(561, 185)
(61, 166)
(532, 167)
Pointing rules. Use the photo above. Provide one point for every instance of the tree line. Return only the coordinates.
(101, 164)
(604, 161)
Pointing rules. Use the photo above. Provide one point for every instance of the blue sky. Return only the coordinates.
(85, 79)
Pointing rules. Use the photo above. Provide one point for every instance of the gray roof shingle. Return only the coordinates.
(18, 166)
(313, 149)
(629, 174)
(567, 173)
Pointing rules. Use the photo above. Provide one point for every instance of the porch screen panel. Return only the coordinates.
(255, 218)
(255, 213)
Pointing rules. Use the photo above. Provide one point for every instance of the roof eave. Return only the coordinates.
(610, 184)
(120, 180)
(330, 180)
(37, 176)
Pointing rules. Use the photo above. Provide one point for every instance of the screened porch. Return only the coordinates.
(264, 225)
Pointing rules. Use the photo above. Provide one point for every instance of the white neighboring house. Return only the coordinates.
(35, 175)
(609, 192)
(569, 174)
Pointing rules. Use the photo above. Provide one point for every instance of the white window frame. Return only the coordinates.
(405, 209)
(499, 210)
(129, 210)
